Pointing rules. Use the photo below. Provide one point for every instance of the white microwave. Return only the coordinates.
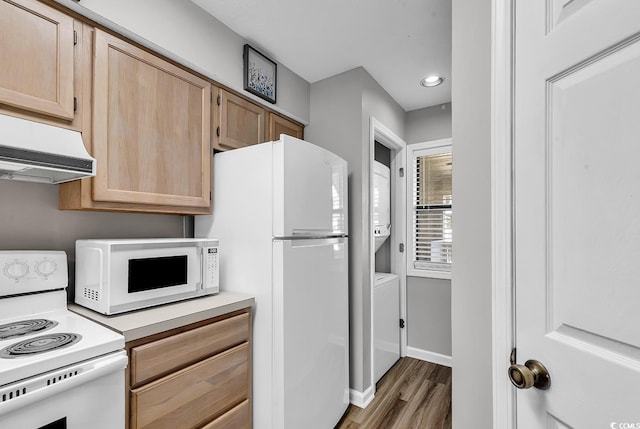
(114, 276)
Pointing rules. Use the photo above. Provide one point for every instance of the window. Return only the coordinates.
(430, 209)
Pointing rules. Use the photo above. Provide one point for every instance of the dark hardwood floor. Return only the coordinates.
(413, 395)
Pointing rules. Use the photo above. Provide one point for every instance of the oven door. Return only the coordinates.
(144, 277)
(81, 396)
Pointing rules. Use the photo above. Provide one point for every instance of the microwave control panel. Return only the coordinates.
(211, 267)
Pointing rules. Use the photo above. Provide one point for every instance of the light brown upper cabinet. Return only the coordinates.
(36, 59)
(150, 131)
(237, 122)
(279, 125)
(151, 128)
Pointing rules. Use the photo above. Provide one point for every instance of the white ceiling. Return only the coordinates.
(397, 41)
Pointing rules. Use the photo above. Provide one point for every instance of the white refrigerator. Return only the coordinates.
(280, 213)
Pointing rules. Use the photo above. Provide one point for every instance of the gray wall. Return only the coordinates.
(191, 36)
(30, 220)
(336, 109)
(471, 278)
(429, 314)
(430, 123)
(383, 257)
(341, 108)
(429, 300)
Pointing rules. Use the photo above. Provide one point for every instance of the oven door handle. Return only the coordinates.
(37, 388)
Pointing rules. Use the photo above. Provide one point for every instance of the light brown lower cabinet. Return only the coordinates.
(193, 377)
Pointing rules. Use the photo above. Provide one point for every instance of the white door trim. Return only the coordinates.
(379, 132)
(502, 218)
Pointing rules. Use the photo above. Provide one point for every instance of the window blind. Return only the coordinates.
(432, 210)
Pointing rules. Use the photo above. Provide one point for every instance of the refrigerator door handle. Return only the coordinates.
(309, 242)
(309, 237)
(317, 233)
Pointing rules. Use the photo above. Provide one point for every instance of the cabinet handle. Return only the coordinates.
(218, 131)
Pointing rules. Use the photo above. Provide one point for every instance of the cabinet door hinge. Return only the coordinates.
(218, 100)
(218, 131)
(75, 37)
(401, 171)
(401, 323)
(75, 104)
(401, 247)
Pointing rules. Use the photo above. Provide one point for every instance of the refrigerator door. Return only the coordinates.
(309, 190)
(311, 333)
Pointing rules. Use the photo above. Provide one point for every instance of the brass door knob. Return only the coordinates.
(531, 374)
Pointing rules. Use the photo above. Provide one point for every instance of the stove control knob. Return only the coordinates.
(16, 270)
(46, 268)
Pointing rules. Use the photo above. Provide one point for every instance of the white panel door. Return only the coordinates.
(311, 333)
(310, 190)
(577, 210)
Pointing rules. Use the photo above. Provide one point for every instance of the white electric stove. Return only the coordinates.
(58, 370)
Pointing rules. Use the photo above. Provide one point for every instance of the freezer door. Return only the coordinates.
(311, 333)
(309, 190)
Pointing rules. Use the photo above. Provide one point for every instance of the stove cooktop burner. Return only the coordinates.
(41, 344)
(24, 327)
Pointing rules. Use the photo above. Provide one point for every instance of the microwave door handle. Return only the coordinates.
(202, 268)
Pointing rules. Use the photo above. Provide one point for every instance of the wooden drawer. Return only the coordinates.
(236, 418)
(195, 395)
(161, 357)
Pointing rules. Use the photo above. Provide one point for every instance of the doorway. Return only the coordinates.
(388, 150)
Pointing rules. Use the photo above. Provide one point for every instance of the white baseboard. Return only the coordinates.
(433, 357)
(361, 399)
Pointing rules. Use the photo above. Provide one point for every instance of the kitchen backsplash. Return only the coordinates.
(30, 220)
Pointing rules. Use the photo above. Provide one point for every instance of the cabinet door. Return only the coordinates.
(151, 128)
(279, 125)
(239, 123)
(36, 57)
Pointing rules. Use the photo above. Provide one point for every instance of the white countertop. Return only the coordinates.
(142, 323)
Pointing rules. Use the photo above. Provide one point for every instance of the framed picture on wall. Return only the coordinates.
(260, 74)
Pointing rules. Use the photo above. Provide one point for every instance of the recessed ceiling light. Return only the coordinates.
(430, 81)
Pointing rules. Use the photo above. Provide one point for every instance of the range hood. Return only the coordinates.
(36, 152)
